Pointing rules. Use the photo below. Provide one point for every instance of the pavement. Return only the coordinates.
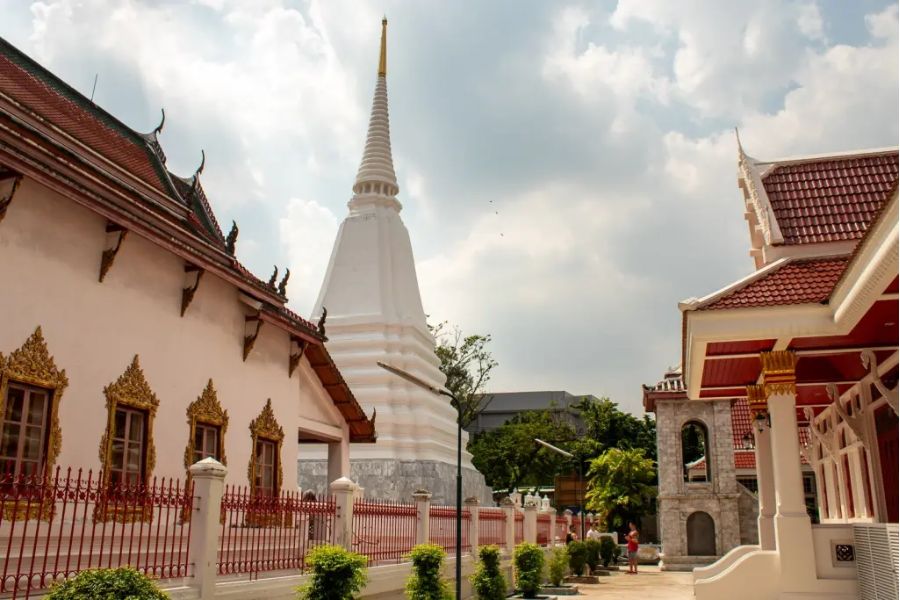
(649, 584)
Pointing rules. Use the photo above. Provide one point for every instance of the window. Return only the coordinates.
(25, 425)
(264, 477)
(694, 456)
(126, 464)
(206, 442)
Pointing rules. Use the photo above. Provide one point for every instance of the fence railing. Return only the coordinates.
(383, 531)
(442, 528)
(491, 527)
(271, 533)
(51, 528)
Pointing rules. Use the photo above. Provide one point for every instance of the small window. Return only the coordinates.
(264, 482)
(206, 442)
(127, 456)
(23, 442)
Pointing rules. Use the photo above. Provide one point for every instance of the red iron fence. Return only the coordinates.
(544, 530)
(383, 531)
(561, 529)
(520, 527)
(52, 528)
(442, 528)
(262, 534)
(491, 527)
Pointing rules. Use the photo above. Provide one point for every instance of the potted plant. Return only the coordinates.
(112, 584)
(426, 582)
(557, 567)
(337, 574)
(608, 550)
(488, 582)
(592, 548)
(577, 557)
(529, 562)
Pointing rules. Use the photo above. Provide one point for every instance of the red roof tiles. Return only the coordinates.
(740, 426)
(830, 200)
(804, 281)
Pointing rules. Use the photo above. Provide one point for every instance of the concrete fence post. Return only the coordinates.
(344, 492)
(208, 476)
(530, 525)
(509, 510)
(551, 538)
(422, 499)
(472, 505)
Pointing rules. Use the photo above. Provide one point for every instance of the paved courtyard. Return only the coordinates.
(649, 584)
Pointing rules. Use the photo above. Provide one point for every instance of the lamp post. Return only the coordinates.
(455, 401)
(553, 448)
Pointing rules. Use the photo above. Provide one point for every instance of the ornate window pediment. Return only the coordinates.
(206, 410)
(265, 428)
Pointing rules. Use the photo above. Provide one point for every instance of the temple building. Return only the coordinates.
(373, 313)
(810, 340)
(133, 341)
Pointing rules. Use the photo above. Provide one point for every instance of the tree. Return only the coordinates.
(508, 457)
(620, 486)
(467, 363)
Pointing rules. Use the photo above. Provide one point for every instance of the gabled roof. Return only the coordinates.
(829, 199)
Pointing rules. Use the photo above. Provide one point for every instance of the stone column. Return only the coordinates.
(551, 538)
(339, 459)
(793, 530)
(509, 510)
(344, 492)
(422, 499)
(756, 399)
(530, 524)
(474, 531)
(208, 476)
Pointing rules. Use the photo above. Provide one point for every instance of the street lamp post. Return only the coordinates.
(455, 401)
(553, 448)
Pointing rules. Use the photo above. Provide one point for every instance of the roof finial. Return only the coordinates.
(162, 122)
(202, 163)
(737, 136)
(382, 60)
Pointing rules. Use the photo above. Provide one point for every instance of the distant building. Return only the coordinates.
(502, 407)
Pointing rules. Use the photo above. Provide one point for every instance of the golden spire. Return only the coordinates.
(382, 60)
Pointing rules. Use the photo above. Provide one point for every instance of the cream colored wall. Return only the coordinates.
(51, 250)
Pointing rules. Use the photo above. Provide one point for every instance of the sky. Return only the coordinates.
(567, 169)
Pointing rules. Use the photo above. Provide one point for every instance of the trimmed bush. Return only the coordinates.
(608, 550)
(559, 564)
(593, 554)
(426, 582)
(107, 584)
(488, 582)
(337, 574)
(577, 557)
(529, 562)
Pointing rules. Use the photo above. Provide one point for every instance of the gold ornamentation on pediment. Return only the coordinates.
(266, 427)
(207, 410)
(778, 363)
(132, 389)
(757, 400)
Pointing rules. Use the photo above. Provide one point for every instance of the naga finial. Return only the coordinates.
(321, 325)
(273, 277)
(202, 163)
(231, 240)
(282, 287)
(162, 122)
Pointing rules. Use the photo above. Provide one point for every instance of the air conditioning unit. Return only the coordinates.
(877, 560)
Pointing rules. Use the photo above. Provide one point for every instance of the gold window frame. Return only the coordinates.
(132, 390)
(265, 426)
(205, 410)
(33, 364)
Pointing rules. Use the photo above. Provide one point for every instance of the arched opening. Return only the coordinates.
(701, 535)
(694, 454)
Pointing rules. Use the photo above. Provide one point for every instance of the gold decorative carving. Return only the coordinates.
(757, 401)
(778, 363)
(20, 510)
(130, 389)
(187, 294)
(32, 364)
(109, 255)
(250, 339)
(266, 427)
(206, 410)
(781, 388)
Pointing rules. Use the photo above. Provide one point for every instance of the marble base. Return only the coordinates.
(388, 479)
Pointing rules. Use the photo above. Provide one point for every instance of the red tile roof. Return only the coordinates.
(745, 459)
(740, 426)
(803, 281)
(832, 199)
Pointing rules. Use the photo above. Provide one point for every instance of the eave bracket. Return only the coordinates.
(7, 200)
(298, 346)
(192, 276)
(252, 325)
(115, 234)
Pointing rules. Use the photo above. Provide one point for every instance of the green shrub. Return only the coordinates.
(529, 562)
(559, 564)
(337, 574)
(577, 557)
(107, 584)
(608, 550)
(593, 554)
(426, 583)
(487, 581)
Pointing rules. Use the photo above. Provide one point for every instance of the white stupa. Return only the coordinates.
(374, 313)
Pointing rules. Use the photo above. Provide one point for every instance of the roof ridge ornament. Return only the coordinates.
(162, 122)
(382, 58)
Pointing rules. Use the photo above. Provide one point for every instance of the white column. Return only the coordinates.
(474, 526)
(860, 504)
(422, 499)
(344, 492)
(509, 509)
(765, 478)
(530, 524)
(208, 476)
(339, 459)
(828, 475)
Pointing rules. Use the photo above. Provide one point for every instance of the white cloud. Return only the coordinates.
(305, 230)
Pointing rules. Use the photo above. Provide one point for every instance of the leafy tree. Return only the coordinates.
(559, 564)
(577, 557)
(529, 562)
(620, 486)
(426, 582)
(488, 581)
(508, 456)
(467, 363)
(608, 427)
(337, 574)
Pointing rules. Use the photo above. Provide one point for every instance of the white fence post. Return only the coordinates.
(530, 524)
(208, 476)
(551, 538)
(344, 492)
(509, 509)
(472, 505)
(423, 516)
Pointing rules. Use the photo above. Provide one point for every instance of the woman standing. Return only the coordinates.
(632, 538)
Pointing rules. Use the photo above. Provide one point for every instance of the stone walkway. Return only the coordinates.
(649, 584)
